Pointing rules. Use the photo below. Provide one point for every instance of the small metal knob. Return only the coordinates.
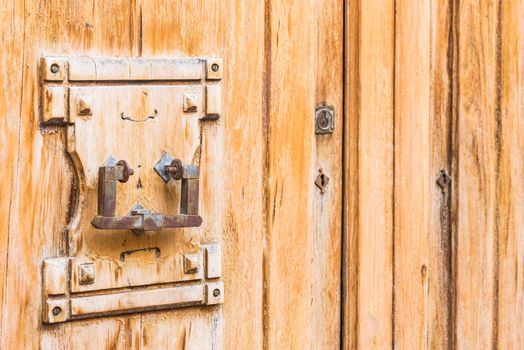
(126, 171)
(175, 169)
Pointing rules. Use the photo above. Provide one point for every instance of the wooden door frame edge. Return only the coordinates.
(349, 310)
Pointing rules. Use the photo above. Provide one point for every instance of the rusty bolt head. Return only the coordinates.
(176, 169)
(84, 105)
(191, 264)
(126, 171)
(86, 273)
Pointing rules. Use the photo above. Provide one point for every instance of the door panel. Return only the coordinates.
(280, 235)
(303, 225)
(434, 97)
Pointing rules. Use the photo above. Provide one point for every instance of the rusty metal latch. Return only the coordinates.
(139, 218)
(154, 115)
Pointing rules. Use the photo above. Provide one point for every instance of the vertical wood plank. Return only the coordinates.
(326, 269)
(369, 219)
(232, 155)
(42, 178)
(243, 40)
(478, 174)
(442, 58)
(290, 213)
(11, 58)
(422, 145)
(412, 190)
(350, 253)
(510, 223)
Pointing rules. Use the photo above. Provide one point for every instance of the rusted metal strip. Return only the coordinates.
(147, 222)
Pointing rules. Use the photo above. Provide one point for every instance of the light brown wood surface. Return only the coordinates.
(302, 258)
(385, 258)
(422, 144)
(511, 212)
(281, 239)
(457, 248)
(369, 174)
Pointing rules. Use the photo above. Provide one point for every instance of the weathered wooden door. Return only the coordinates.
(171, 174)
(435, 160)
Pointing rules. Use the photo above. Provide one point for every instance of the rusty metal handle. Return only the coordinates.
(141, 219)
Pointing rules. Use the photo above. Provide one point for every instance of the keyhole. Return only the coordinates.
(321, 181)
(324, 121)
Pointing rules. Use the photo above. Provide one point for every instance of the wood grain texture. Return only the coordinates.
(39, 212)
(234, 31)
(369, 179)
(131, 28)
(326, 269)
(11, 57)
(478, 175)
(510, 223)
(458, 108)
(304, 69)
(350, 237)
(291, 206)
(412, 187)
(422, 145)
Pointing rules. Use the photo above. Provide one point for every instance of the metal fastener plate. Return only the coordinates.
(324, 120)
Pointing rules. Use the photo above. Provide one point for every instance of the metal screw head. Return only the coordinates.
(215, 67)
(56, 311)
(54, 68)
(216, 292)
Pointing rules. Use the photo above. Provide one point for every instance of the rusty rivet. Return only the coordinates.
(84, 105)
(56, 311)
(54, 68)
(216, 292)
(190, 103)
(215, 67)
(191, 264)
(86, 273)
